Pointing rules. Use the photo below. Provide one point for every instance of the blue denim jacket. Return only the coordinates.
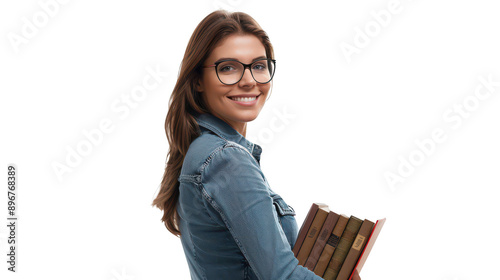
(233, 226)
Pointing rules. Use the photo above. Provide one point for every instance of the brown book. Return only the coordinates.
(369, 245)
(312, 234)
(305, 227)
(320, 243)
(355, 251)
(330, 246)
(345, 244)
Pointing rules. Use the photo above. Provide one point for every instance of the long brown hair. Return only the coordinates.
(185, 102)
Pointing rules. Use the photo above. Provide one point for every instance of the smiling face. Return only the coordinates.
(236, 112)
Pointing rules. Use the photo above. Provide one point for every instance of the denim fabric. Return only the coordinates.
(233, 226)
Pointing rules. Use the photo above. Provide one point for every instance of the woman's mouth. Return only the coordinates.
(245, 101)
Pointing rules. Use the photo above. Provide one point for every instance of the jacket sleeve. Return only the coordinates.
(235, 186)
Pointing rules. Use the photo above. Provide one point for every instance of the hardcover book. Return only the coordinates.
(312, 234)
(355, 251)
(369, 245)
(305, 226)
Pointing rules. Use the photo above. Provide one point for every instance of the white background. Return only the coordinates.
(351, 119)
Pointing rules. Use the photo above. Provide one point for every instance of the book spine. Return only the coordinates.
(355, 251)
(312, 235)
(305, 228)
(320, 243)
(342, 249)
(369, 244)
(330, 246)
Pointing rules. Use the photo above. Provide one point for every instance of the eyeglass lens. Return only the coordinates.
(230, 72)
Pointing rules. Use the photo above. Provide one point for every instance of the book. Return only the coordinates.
(345, 244)
(357, 246)
(330, 245)
(305, 227)
(369, 245)
(320, 243)
(312, 233)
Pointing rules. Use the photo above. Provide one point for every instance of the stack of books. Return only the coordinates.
(333, 245)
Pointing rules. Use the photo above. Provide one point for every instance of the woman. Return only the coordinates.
(213, 193)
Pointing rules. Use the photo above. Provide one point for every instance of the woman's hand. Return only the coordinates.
(355, 276)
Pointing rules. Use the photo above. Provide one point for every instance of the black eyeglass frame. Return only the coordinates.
(245, 66)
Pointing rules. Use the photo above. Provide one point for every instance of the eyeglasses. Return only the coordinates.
(230, 71)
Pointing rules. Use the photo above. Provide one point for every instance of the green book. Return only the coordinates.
(343, 248)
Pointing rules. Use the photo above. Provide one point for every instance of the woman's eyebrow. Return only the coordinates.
(255, 59)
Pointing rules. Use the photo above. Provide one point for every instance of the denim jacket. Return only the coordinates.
(233, 226)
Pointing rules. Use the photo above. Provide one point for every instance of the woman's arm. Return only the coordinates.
(235, 187)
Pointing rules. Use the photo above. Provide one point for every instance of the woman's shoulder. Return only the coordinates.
(199, 150)
(207, 146)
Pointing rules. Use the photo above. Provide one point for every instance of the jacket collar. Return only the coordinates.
(227, 132)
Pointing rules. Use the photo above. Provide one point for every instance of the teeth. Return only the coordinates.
(244, 99)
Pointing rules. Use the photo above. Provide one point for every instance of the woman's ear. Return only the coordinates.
(199, 86)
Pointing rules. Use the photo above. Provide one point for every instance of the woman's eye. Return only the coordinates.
(226, 68)
(259, 67)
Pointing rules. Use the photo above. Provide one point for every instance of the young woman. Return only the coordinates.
(214, 195)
